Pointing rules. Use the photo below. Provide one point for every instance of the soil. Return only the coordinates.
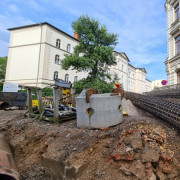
(141, 147)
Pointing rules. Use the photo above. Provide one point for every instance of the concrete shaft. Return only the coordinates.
(103, 110)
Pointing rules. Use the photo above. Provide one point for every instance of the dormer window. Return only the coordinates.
(68, 48)
(58, 43)
(176, 10)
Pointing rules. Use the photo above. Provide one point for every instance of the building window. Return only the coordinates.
(58, 43)
(177, 42)
(75, 79)
(178, 77)
(57, 59)
(55, 75)
(122, 67)
(67, 77)
(176, 10)
(68, 48)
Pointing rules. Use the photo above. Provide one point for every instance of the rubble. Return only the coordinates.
(141, 147)
(144, 148)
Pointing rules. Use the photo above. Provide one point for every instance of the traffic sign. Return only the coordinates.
(164, 82)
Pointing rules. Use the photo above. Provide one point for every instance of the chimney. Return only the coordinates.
(75, 35)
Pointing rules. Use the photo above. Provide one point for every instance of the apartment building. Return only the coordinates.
(173, 41)
(35, 52)
(132, 78)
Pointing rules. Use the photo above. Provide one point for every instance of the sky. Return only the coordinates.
(140, 24)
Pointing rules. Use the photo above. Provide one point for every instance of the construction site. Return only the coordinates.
(73, 107)
(142, 143)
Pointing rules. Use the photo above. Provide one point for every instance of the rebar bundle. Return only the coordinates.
(164, 109)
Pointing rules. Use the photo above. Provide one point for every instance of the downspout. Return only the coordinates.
(39, 55)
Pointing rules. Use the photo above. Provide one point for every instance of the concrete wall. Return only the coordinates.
(23, 55)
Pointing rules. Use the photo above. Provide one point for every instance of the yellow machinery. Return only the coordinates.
(35, 102)
(66, 92)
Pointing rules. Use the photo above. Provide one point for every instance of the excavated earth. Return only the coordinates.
(141, 147)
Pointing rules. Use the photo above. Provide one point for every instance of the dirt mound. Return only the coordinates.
(138, 148)
(133, 110)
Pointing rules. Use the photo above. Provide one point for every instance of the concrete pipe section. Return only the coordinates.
(8, 170)
(102, 110)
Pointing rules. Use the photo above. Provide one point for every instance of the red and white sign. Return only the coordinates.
(164, 82)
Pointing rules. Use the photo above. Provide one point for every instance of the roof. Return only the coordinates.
(131, 66)
(143, 69)
(39, 24)
(123, 54)
(148, 80)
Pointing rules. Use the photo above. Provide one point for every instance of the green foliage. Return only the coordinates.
(99, 84)
(94, 53)
(48, 92)
(3, 63)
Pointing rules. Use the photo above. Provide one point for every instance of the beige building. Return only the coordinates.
(156, 84)
(35, 52)
(173, 41)
(133, 79)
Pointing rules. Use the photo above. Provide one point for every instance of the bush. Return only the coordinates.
(101, 85)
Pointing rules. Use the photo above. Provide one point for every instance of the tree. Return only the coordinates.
(94, 53)
(3, 63)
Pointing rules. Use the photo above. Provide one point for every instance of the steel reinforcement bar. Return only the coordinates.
(166, 110)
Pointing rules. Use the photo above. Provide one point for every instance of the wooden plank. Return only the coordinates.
(61, 96)
(56, 107)
(29, 90)
(73, 97)
(39, 96)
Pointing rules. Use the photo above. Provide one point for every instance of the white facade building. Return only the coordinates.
(173, 41)
(35, 52)
(133, 79)
(157, 84)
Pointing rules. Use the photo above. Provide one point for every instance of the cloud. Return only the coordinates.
(14, 8)
(9, 22)
(35, 5)
(141, 25)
